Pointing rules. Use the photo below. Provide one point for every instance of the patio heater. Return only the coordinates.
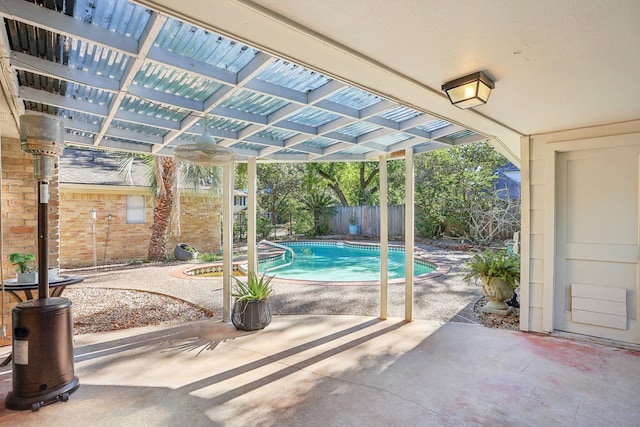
(43, 370)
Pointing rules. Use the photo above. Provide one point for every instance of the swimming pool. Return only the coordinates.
(339, 262)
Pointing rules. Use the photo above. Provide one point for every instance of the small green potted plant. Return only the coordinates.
(23, 262)
(251, 309)
(499, 274)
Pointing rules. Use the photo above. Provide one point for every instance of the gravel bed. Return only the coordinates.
(101, 309)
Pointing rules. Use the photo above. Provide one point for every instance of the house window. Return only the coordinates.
(135, 210)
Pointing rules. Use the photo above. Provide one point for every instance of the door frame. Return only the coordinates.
(551, 151)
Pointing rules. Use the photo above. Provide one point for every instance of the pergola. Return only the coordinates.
(334, 80)
(127, 78)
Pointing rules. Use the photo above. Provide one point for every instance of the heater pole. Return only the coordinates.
(43, 240)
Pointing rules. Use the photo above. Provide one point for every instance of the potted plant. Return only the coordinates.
(23, 263)
(499, 274)
(185, 252)
(251, 309)
(353, 225)
(26, 272)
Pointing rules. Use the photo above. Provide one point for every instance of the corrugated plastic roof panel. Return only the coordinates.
(355, 98)
(314, 117)
(135, 93)
(292, 76)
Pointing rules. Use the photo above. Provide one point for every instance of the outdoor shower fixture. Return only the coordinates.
(42, 351)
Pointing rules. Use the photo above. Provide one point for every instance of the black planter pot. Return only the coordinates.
(181, 254)
(251, 315)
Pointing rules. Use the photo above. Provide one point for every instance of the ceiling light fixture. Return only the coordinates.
(205, 152)
(469, 91)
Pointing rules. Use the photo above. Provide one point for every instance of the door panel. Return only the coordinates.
(597, 245)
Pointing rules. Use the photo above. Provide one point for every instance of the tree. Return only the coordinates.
(448, 182)
(277, 183)
(321, 205)
(166, 180)
(352, 183)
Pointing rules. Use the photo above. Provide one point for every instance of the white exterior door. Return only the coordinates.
(597, 243)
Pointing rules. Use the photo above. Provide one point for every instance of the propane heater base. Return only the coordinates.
(34, 403)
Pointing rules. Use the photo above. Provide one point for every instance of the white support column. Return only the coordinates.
(227, 239)
(409, 234)
(252, 209)
(384, 238)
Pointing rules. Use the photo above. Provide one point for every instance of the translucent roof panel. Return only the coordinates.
(434, 125)
(253, 102)
(96, 59)
(125, 77)
(320, 142)
(292, 76)
(122, 17)
(279, 134)
(133, 127)
(358, 128)
(248, 146)
(355, 98)
(168, 80)
(391, 139)
(400, 114)
(210, 48)
(152, 109)
(314, 117)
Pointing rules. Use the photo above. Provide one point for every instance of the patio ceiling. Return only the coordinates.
(123, 77)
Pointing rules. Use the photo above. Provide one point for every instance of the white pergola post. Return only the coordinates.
(409, 234)
(252, 209)
(227, 239)
(384, 238)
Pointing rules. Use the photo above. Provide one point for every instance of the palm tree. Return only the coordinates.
(320, 204)
(166, 180)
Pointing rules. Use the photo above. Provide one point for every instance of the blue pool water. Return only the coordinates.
(331, 261)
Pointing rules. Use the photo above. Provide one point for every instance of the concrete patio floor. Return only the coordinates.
(341, 370)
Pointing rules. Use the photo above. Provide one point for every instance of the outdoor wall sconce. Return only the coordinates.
(109, 217)
(469, 91)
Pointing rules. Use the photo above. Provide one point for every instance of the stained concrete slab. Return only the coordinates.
(341, 371)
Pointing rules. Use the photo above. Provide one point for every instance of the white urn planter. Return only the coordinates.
(497, 291)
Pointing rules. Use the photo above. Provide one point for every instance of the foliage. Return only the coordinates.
(489, 264)
(321, 205)
(277, 184)
(22, 261)
(254, 289)
(263, 228)
(353, 220)
(449, 181)
(188, 248)
(209, 257)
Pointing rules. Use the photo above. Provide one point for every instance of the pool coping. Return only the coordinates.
(419, 254)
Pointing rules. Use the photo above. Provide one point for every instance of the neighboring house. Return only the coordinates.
(508, 182)
(105, 220)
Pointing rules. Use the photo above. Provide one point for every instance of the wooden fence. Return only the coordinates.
(368, 220)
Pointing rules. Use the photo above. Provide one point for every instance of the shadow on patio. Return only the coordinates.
(341, 370)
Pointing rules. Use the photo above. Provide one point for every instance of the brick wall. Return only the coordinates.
(200, 223)
(19, 215)
(119, 242)
(115, 241)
